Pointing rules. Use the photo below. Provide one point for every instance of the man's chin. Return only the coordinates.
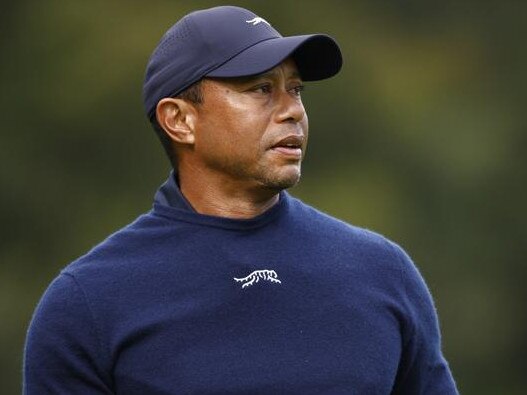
(282, 181)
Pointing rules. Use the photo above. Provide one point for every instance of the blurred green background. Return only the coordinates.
(421, 137)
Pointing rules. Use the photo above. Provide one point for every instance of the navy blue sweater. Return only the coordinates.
(289, 302)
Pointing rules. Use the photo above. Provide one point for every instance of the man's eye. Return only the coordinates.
(298, 89)
(262, 88)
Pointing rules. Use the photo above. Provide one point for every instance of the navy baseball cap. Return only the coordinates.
(230, 41)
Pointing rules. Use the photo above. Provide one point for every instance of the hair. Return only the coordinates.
(192, 94)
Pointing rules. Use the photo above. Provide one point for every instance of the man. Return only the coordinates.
(229, 285)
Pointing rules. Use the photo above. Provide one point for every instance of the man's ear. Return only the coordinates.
(177, 118)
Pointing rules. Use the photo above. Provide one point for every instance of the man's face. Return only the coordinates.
(253, 130)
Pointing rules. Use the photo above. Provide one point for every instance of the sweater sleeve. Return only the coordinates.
(63, 353)
(422, 369)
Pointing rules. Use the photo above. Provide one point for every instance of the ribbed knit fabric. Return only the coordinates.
(290, 302)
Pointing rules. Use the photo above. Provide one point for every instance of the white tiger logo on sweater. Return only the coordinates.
(254, 277)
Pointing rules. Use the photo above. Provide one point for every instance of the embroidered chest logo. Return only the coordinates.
(257, 20)
(257, 275)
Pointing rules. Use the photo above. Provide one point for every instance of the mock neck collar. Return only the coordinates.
(170, 195)
(170, 202)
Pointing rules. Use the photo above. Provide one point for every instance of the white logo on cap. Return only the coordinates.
(257, 20)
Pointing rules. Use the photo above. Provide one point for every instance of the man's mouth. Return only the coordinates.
(290, 146)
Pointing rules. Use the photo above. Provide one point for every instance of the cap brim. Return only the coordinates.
(317, 57)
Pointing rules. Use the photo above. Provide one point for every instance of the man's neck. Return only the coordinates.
(224, 198)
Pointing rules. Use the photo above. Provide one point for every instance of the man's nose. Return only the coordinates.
(290, 107)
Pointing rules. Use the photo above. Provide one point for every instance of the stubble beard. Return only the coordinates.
(264, 176)
(278, 180)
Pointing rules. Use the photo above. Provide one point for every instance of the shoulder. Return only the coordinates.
(122, 248)
(345, 235)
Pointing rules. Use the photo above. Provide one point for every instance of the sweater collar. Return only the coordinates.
(170, 202)
(170, 195)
